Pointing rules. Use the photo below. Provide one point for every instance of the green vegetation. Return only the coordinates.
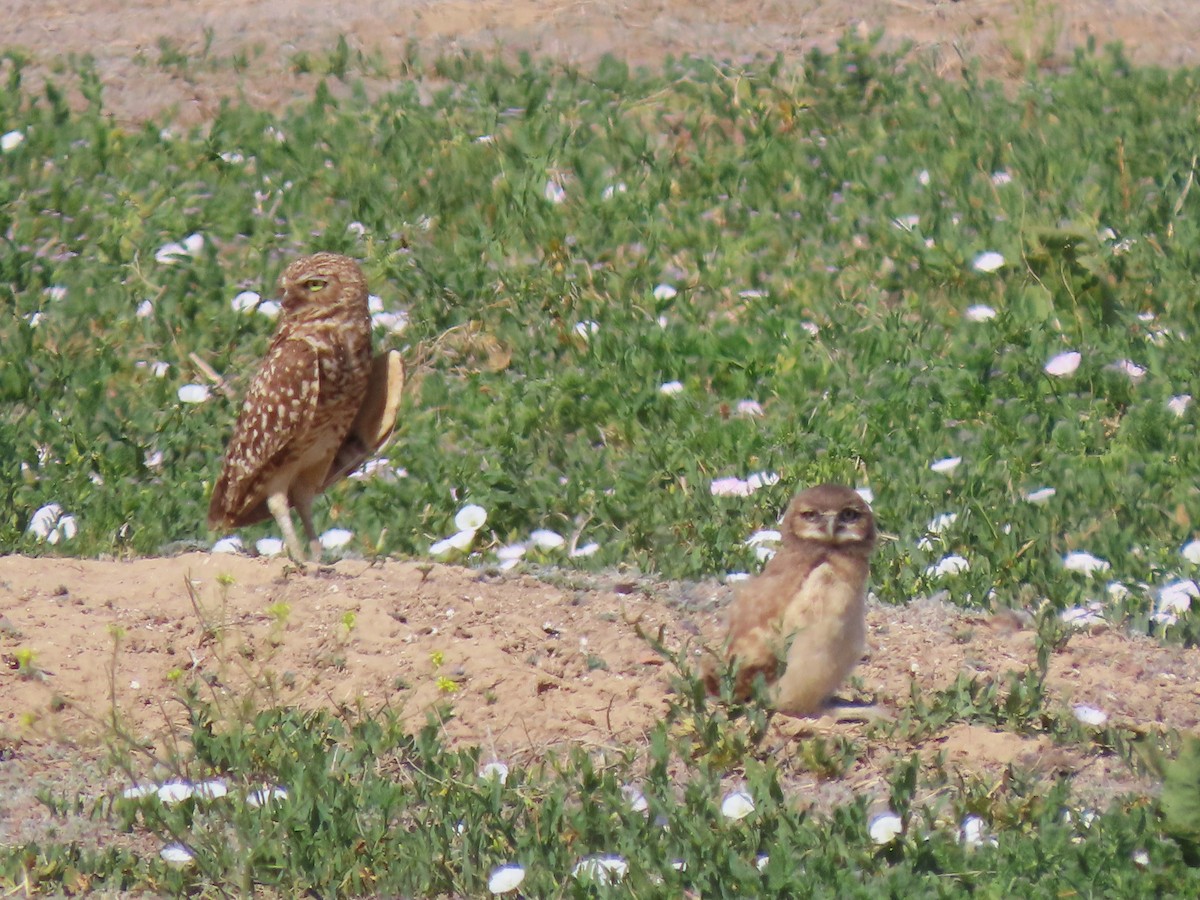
(810, 237)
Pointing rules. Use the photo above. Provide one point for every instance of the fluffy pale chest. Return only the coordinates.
(827, 607)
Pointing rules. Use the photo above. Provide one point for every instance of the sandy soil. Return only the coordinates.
(126, 39)
(533, 663)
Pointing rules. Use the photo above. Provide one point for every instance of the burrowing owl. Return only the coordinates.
(805, 614)
(317, 408)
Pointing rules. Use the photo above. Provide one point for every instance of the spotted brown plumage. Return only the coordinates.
(297, 418)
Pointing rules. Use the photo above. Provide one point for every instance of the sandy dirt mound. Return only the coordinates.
(525, 665)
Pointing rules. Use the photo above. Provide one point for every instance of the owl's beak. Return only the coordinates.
(831, 525)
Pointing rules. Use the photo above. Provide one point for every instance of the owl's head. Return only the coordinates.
(831, 514)
(322, 285)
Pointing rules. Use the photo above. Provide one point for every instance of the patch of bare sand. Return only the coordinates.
(266, 37)
(527, 666)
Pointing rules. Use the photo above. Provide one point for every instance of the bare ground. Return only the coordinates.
(534, 664)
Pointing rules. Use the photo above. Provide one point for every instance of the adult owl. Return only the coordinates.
(317, 408)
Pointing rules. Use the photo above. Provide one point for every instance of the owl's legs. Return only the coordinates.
(302, 499)
(277, 503)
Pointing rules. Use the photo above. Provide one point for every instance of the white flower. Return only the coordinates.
(233, 157)
(358, 229)
(1130, 368)
(1040, 495)
(55, 293)
(988, 261)
(485, 139)
(34, 319)
(245, 301)
(670, 388)
(494, 771)
(949, 565)
(589, 549)
(460, 541)
(635, 798)
(145, 309)
(1089, 715)
(554, 192)
(945, 466)
(392, 322)
(170, 253)
(177, 855)
(268, 546)
(470, 518)
(1082, 561)
(664, 292)
(923, 178)
(748, 408)
(194, 243)
(1001, 178)
(761, 861)
(1141, 858)
(506, 878)
(264, 795)
(159, 368)
(600, 870)
(1174, 600)
(980, 312)
(511, 552)
(213, 789)
(1083, 616)
(174, 792)
(885, 827)
(613, 189)
(228, 545)
(1116, 590)
(1063, 364)
(867, 494)
(586, 328)
(812, 328)
(762, 479)
(1179, 404)
(1191, 552)
(193, 393)
(764, 536)
(940, 523)
(380, 467)
(973, 833)
(335, 538)
(51, 525)
(545, 539)
(737, 805)
(730, 487)
(11, 140)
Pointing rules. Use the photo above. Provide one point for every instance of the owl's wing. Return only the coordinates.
(279, 408)
(376, 419)
(757, 612)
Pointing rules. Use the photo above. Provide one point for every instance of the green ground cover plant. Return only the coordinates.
(646, 306)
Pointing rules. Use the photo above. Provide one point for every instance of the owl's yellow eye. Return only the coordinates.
(315, 285)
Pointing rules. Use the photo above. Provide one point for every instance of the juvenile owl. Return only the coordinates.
(802, 621)
(317, 408)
